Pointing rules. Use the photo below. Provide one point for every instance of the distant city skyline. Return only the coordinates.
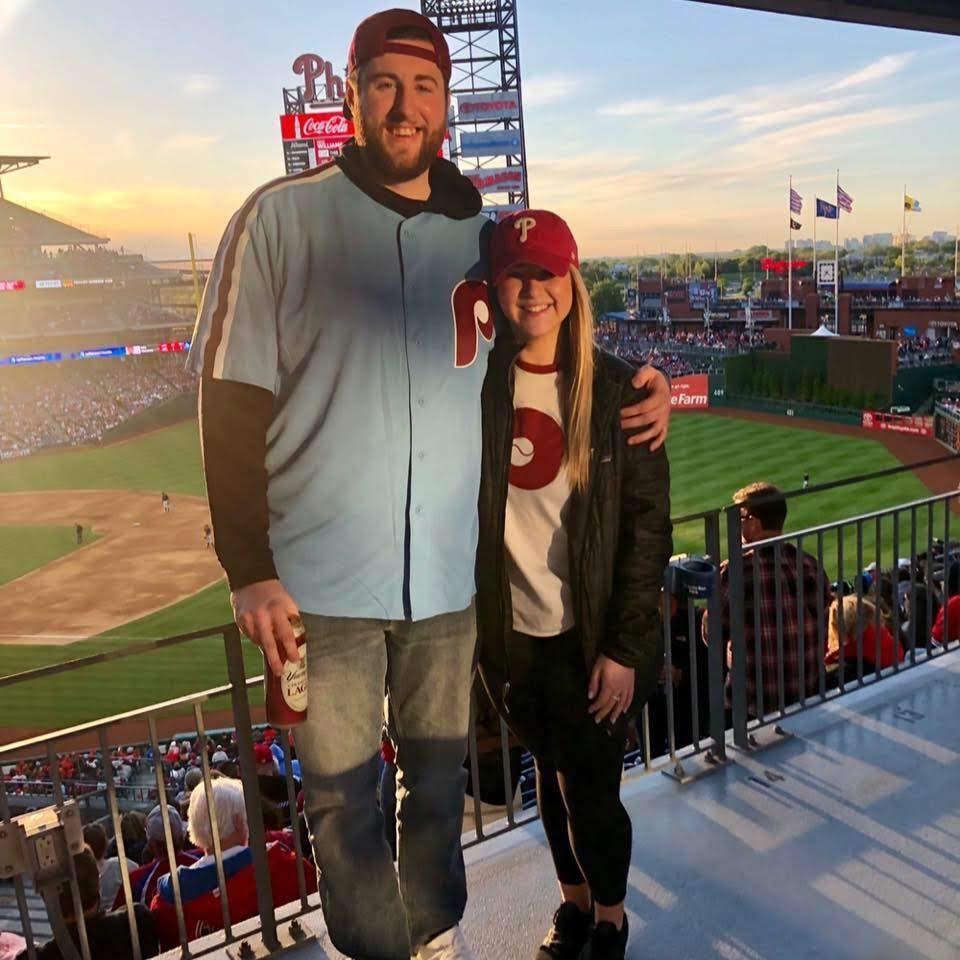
(672, 129)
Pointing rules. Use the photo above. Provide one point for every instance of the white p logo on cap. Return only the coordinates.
(524, 225)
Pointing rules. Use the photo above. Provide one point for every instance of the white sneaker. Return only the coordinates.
(449, 945)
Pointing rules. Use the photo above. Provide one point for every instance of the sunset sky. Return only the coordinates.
(660, 123)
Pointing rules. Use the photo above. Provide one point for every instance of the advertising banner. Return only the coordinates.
(758, 316)
(918, 426)
(496, 179)
(310, 139)
(490, 143)
(298, 155)
(7, 285)
(690, 393)
(497, 211)
(499, 105)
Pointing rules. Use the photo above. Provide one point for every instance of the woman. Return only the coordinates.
(574, 537)
(842, 636)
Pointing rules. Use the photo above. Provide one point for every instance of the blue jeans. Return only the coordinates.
(426, 668)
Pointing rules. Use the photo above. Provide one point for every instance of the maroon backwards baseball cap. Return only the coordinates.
(370, 40)
(533, 236)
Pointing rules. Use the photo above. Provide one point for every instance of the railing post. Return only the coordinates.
(715, 646)
(233, 646)
(738, 667)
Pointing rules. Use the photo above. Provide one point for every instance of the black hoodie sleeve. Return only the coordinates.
(644, 544)
(234, 418)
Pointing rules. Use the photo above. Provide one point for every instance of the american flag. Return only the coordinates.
(796, 201)
(844, 200)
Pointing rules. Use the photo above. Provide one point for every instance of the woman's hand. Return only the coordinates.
(610, 690)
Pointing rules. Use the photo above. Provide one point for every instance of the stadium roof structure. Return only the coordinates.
(931, 16)
(21, 227)
(10, 164)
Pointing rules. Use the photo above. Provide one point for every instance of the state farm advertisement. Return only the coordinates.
(691, 392)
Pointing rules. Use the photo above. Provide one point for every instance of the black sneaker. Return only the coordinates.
(607, 942)
(565, 940)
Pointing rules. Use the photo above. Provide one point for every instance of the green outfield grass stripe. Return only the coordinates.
(167, 459)
(710, 456)
(25, 549)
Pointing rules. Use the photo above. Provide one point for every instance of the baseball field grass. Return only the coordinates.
(710, 458)
(23, 549)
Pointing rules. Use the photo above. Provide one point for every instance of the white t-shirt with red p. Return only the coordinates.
(538, 502)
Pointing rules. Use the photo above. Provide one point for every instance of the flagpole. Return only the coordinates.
(836, 263)
(816, 283)
(956, 251)
(903, 238)
(790, 254)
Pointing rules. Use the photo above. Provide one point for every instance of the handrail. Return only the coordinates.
(120, 653)
(830, 485)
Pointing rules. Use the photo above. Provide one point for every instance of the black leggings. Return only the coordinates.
(579, 764)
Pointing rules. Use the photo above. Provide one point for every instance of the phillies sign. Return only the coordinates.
(316, 70)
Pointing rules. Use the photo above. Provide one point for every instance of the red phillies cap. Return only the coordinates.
(533, 236)
(370, 40)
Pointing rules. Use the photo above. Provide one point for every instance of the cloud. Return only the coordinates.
(189, 141)
(16, 125)
(887, 66)
(199, 84)
(549, 88)
(9, 10)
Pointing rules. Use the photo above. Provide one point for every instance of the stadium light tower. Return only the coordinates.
(486, 121)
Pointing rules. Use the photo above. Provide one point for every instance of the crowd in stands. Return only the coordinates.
(681, 353)
(77, 401)
(926, 351)
(188, 821)
(78, 316)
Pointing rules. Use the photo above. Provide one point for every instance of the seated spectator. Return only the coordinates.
(198, 882)
(133, 829)
(947, 625)
(193, 777)
(108, 934)
(842, 636)
(111, 877)
(143, 880)
(763, 514)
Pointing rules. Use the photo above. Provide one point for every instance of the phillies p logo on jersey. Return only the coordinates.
(472, 318)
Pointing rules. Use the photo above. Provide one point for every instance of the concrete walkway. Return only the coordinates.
(841, 841)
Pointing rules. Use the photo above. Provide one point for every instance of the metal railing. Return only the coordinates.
(268, 929)
(719, 696)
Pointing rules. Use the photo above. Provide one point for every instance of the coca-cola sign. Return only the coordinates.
(331, 126)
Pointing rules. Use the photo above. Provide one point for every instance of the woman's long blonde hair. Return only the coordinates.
(576, 350)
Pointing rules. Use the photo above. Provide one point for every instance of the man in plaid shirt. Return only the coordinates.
(763, 513)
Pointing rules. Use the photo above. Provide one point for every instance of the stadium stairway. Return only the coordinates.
(10, 914)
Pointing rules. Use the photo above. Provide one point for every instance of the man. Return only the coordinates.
(108, 934)
(763, 513)
(143, 880)
(342, 343)
(199, 884)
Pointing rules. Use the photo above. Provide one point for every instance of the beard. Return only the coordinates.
(392, 169)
